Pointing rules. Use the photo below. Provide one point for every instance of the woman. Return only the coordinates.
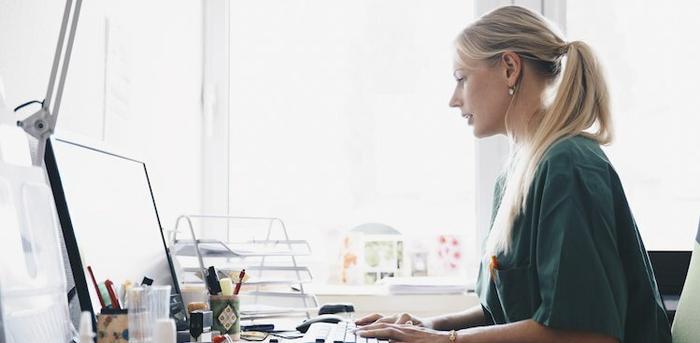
(563, 261)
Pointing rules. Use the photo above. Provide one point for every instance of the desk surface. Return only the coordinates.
(366, 303)
(286, 324)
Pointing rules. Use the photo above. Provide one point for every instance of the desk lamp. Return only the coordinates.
(34, 304)
(42, 123)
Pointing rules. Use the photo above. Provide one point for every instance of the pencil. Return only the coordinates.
(97, 289)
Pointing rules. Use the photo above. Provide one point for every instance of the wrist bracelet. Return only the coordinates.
(453, 336)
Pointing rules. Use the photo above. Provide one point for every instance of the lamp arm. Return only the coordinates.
(42, 123)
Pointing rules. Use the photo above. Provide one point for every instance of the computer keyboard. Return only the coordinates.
(335, 333)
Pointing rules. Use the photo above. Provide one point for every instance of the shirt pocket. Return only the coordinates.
(518, 292)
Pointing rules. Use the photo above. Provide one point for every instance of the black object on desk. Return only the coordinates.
(325, 318)
(258, 327)
(336, 308)
(196, 325)
(146, 281)
(213, 281)
(178, 312)
(200, 322)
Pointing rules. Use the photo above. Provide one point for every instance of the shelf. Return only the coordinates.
(267, 312)
(257, 276)
(216, 248)
(275, 283)
(258, 283)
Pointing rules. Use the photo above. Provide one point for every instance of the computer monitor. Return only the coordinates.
(109, 218)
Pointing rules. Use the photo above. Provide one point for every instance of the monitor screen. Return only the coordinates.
(109, 219)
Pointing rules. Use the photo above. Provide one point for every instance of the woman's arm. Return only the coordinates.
(471, 317)
(528, 331)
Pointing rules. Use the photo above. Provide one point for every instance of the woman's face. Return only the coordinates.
(482, 96)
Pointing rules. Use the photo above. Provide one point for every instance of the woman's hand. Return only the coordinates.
(403, 333)
(402, 318)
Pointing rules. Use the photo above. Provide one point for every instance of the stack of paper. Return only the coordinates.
(424, 285)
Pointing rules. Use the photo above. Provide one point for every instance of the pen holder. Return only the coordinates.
(113, 327)
(226, 311)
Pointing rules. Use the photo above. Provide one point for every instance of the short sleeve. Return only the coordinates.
(580, 274)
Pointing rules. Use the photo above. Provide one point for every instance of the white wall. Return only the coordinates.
(339, 116)
(134, 83)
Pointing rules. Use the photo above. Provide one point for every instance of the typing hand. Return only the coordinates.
(402, 318)
(403, 333)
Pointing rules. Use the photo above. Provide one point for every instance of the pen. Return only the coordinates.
(112, 295)
(240, 281)
(97, 289)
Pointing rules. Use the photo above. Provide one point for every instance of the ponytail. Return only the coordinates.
(582, 97)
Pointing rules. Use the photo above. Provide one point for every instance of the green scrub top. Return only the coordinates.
(577, 261)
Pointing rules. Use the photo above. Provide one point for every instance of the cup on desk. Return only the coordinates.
(159, 302)
(226, 311)
(146, 306)
(139, 318)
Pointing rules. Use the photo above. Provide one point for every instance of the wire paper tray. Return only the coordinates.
(217, 248)
(252, 312)
(275, 283)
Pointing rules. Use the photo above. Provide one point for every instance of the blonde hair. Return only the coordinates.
(580, 102)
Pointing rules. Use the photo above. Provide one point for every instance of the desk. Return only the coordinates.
(281, 324)
(373, 299)
(368, 300)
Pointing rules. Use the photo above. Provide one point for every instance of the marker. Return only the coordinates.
(213, 281)
(97, 289)
(105, 295)
(240, 281)
(112, 295)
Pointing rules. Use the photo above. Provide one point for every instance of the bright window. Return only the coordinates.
(647, 52)
(339, 116)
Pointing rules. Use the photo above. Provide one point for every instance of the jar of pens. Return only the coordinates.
(134, 314)
(225, 304)
(216, 310)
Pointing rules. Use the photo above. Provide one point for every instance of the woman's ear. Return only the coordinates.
(512, 67)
